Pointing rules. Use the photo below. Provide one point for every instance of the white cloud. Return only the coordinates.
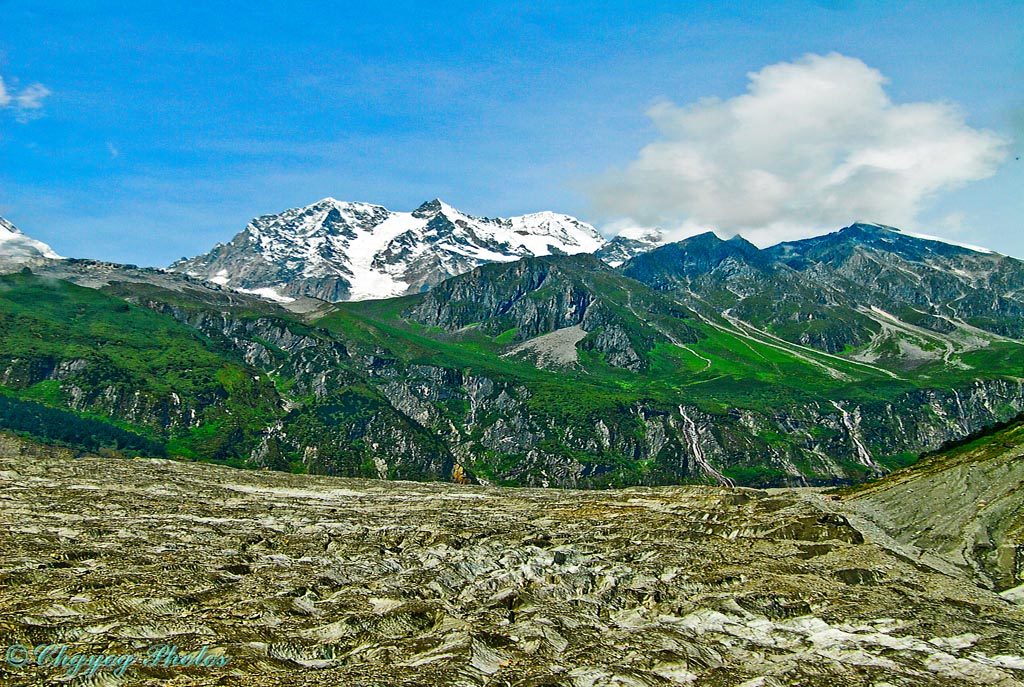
(31, 97)
(26, 102)
(810, 147)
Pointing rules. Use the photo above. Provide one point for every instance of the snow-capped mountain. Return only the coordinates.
(341, 251)
(630, 243)
(18, 250)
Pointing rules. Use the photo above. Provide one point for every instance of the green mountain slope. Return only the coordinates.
(73, 347)
(707, 361)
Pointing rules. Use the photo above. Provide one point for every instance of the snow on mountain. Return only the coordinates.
(934, 239)
(18, 250)
(629, 243)
(338, 250)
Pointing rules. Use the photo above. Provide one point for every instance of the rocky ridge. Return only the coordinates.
(901, 299)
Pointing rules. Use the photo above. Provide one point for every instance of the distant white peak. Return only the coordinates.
(447, 209)
(547, 216)
(645, 234)
(309, 219)
(13, 243)
(435, 207)
(346, 204)
(548, 219)
(324, 205)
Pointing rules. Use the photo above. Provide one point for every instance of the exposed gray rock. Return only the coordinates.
(324, 581)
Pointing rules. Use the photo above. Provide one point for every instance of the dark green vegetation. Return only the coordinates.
(66, 428)
(827, 361)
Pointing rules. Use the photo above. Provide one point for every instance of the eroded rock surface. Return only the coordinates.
(966, 504)
(326, 581)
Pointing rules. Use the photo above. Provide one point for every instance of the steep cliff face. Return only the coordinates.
(617, 318)
(312, 361)
(504, 432)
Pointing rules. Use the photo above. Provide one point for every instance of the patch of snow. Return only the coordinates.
(267, 292)
(645, 234)
(929, 237)
(548, 229)
(938, 239)
(368, 281)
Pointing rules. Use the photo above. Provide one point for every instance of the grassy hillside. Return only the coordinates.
(727, 366)
(111, 361)
(375, 389)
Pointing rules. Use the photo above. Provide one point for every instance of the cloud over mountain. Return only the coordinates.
(812, 145)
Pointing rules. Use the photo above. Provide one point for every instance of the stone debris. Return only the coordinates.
(307, 580)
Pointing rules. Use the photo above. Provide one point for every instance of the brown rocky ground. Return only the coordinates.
(321, 581)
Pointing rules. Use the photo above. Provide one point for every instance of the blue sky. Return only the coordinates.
(155, 131)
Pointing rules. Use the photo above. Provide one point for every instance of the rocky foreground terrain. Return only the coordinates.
(306, 580)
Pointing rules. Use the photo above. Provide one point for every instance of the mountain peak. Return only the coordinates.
(885, 233)
(338, 251)
(330, 203)
(8, 227)
(740, 241)
(18, 249)
(868, 229)
(706, 240)
(647, 234)
(430, 208)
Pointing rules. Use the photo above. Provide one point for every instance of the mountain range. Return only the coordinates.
(340, 251)
(343, 338)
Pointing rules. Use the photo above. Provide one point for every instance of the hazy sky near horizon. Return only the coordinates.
(137, 132)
